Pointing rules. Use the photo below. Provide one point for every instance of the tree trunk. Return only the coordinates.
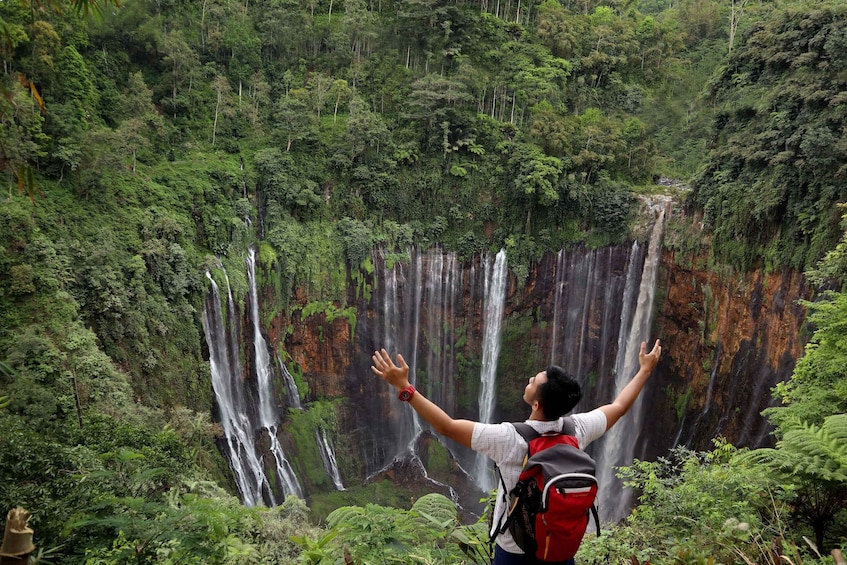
(202, 26)
(735, 15)
(215, 123)
(73, 375)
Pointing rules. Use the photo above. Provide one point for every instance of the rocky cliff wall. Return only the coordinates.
(728, 338)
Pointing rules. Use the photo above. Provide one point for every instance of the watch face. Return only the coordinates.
(405, 395)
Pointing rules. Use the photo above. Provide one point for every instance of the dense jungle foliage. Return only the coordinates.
(143, 141)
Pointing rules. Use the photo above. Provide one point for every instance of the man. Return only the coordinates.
(550, 394)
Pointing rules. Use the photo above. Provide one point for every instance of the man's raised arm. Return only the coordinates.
(397, 376)
(626, 397)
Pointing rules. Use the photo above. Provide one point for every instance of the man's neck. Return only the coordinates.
(538, 416)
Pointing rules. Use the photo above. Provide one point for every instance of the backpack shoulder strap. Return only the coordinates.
(526, 431)
(568, 427)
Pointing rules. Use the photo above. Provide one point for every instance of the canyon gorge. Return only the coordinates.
(472, 334)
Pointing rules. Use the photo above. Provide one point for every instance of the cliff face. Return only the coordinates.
(727, 340)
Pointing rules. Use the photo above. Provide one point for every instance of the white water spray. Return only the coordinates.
(328, 457)
(226, 377)
(268, 412)
(619, 443)
(496, 277)
(290, 386)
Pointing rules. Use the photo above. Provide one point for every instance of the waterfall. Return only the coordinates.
(239, 444)
(557, 301)
(443, 277)
(418, 302)
(290, 386)
(590, 289)
(494, 302)
(422, 302)
(618, 446)
(328, 457)
(268, 412)
(397, 337)
(626, 313)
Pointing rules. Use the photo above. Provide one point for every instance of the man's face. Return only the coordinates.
(530, 393)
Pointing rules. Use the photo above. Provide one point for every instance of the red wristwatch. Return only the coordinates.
(407, 393)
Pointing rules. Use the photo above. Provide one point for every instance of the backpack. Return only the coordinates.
(549, 507)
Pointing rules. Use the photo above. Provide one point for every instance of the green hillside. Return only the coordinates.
(142, 142)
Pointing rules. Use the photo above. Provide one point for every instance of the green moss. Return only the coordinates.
(592, 379)
(267, 255)
(680, 401)
(331, 313)
(392, 259)
(513, 370)
(302, 426)
(438, 461)
(360, 280)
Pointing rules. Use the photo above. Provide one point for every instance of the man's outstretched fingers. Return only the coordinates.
(401, 361)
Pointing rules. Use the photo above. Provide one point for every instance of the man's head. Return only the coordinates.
(552, 393)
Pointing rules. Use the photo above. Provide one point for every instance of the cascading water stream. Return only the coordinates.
(409, 290)
(496, 277)
(328, 457)
(396, 340)
(240, 447)
(618, 446)
(442, 281)
(589, 289)
(268, 412)
(557, 300)
(290, 386)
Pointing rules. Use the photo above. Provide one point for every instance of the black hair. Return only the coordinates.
(559, 394)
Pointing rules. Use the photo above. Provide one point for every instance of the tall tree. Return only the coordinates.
(294, 121)
(222, 95)
(439, 104)
(245, 49)
(181, 60)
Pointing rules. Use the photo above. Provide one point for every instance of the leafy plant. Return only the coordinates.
(812, 462)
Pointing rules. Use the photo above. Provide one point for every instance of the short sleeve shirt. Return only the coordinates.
(503, 444)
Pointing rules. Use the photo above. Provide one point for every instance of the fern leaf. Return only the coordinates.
(343, 515)
(436, 506)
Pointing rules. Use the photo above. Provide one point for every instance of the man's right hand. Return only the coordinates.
(647, 361)
(395, 375)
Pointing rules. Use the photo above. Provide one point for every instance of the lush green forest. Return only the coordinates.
(143, 141)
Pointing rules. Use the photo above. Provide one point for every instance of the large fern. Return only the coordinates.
(808, 452)
(812, 460)
(436, 509)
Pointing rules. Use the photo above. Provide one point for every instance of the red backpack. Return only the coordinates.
(549, 506)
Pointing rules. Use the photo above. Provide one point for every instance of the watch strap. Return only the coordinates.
(407, 393)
